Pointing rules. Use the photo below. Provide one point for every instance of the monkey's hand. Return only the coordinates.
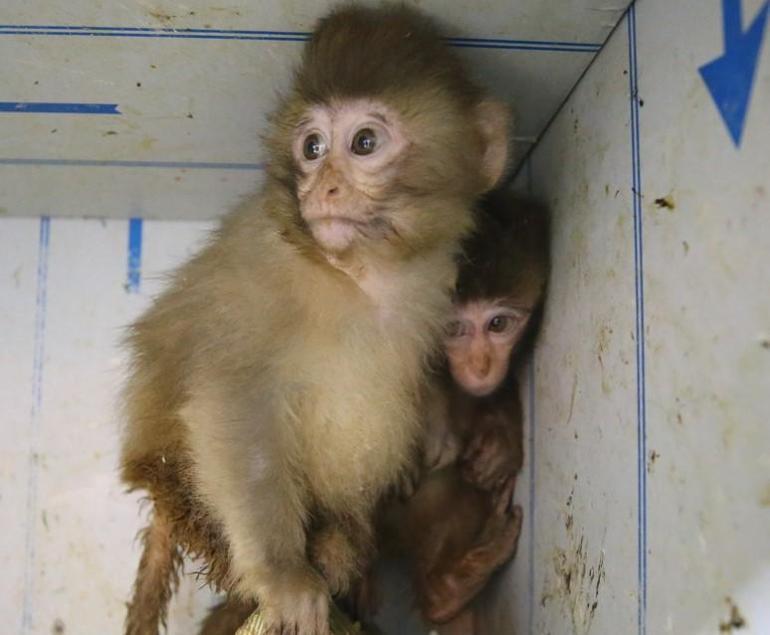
(296, 600)
(490, 459)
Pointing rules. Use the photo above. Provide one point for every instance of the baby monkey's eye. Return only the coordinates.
(499, 324)
(454, 329)
(313, 147)
(365, 142)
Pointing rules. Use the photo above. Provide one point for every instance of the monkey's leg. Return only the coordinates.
(447, 589)
(227, 617)
(244, 475)
(156, 578)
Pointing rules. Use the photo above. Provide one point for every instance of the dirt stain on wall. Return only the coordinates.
(764, 499)
(735, 622)
(666, 202)
(576, 578)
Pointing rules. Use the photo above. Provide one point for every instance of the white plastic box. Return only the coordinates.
(646, 486)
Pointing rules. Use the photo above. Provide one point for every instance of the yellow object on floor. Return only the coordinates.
(339, 622)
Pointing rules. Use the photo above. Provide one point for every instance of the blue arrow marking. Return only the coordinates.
(730, 78)
(58, 107)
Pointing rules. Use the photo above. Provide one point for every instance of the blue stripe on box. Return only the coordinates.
(134, 278)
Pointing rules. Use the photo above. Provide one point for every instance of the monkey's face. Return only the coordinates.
(347, 154)
(479, 343)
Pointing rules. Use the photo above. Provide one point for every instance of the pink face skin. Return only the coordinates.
(479, 343)
(347, 154)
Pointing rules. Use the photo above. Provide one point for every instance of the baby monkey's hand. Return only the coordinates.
(490, 458)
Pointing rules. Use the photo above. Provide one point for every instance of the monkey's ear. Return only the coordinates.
(493, 120)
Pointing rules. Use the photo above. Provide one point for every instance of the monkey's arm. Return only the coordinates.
(442, 444)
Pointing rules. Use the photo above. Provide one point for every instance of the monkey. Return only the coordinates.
(274, 388)
(459, 526)
(498, 298)
(497, 302)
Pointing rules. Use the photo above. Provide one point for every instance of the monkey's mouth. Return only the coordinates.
(336, 233)
(343, 220)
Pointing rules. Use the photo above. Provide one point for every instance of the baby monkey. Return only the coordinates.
(459, 526)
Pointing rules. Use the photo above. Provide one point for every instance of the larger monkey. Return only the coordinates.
(274, 391)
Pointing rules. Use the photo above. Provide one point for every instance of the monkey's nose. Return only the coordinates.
(332, 191)
(481, 365)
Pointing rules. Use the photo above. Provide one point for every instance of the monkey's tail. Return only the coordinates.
(156, 579)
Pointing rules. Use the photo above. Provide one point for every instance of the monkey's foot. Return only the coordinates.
(340, 624)
(499, 538)
(302, 613)
(292, 601)
(448, 591)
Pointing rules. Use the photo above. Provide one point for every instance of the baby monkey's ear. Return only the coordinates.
(493, 121)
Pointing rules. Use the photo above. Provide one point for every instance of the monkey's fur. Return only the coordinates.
(507, 253)
(458, 527)
(275, 387)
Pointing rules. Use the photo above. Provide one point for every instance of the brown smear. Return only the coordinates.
(736, 620)
(576, 578)
(666, 202)
(764, 499)
(578, 584)
(654, 456)
(159, 15)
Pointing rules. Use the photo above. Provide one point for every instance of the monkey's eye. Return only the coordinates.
(499, 324)
(365, 142)
(313, 147)
(455, 329)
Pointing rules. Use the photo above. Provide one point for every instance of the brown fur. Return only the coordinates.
(457, 536)
(459, 527)
(507, 254)
(160, 565)
(274, 391)
(188, 522)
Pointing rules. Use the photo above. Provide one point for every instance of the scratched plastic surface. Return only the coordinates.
(118, 109)
(649, 391)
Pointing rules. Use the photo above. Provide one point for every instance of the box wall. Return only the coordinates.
(647, 481)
